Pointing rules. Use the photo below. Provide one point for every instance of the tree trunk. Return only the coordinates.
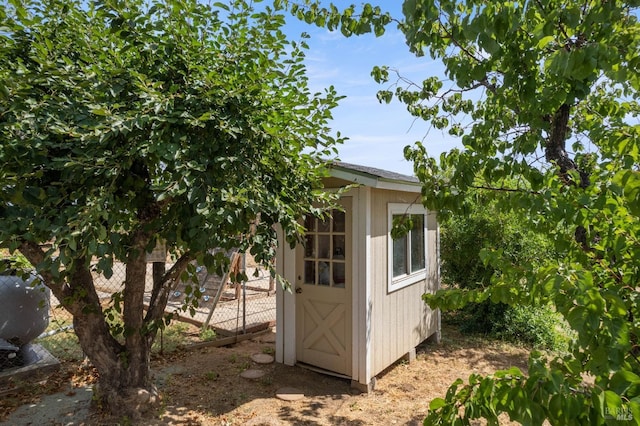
(159, 269)
(555, 152)
(125, 386)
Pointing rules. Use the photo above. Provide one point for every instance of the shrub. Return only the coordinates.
(462, 239)
(539, 327)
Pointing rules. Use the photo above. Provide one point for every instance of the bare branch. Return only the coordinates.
(161, 290)
(503, 189)
(555, 146)
(448, 34)
(35, 255)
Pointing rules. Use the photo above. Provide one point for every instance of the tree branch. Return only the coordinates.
(449, 35)
(491, 188)
(556, 153)
(555, 146)
(36, 256)
(161, 290)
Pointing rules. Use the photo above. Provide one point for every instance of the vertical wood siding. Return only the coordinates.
(400, 319)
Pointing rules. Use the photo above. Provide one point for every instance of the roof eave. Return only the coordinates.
(375, 181)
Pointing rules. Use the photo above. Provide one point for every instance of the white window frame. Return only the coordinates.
(396, 283)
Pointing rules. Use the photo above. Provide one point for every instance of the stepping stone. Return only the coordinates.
(289, 394)
(263, 421)
(252, 374)
(268, 338)
(262, 358)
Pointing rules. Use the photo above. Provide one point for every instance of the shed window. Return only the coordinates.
(407, 254)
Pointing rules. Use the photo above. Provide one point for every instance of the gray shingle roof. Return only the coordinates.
(374, 173)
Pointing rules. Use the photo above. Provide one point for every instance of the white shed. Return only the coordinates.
(355, 307)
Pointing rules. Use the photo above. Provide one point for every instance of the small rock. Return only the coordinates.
(268, 338)
(289, 394)
(263, 421)
(143, 396)
(407, 387)
(262, 358)
(252, 374)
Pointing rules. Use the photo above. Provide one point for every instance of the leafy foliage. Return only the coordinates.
(544, 97)
(14, 263)
(536, 326)
(128, 123)
(468, 235)
(483, 228)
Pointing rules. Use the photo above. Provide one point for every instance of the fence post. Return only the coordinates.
(243, 266)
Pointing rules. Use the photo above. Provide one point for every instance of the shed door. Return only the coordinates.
(323, 292)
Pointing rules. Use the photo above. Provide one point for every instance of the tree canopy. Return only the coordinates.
(127, 123)
(544, 97)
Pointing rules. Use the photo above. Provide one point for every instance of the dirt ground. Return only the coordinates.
(203, 386)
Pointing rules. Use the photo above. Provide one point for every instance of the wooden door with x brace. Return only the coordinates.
(323, 292)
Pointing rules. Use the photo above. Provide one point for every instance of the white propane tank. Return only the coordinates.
(24, 309)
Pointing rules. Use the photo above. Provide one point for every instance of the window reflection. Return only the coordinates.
(324, 276)
(338, 246)
(310, 223)
(324, 225)
(409, 250)
(309, 246)
(418, 258)
(338, 274)
(324, 247)
(338, 221)
(400, 256)
(309, 272)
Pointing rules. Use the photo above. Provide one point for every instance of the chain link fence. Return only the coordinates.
(224, 309)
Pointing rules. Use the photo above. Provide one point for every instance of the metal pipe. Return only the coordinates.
(243, 266)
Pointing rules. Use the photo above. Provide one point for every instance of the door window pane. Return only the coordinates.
(309, 272)
(309, 246)
(324, 274)
(310, 223)
(324, 246)
(338, 247)
(324, 225)
(324, 251)
(338, 274)
(338, 221)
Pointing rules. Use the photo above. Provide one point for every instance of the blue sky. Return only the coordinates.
(377, 132)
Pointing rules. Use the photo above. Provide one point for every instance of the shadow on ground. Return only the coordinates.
(204, 387)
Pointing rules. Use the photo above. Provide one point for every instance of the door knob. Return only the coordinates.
(298, 290)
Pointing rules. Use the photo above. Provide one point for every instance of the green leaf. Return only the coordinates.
(100, 111)
(436, 404)
(622, 380)
(613, 402)
(544, 41)
(221, 5)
